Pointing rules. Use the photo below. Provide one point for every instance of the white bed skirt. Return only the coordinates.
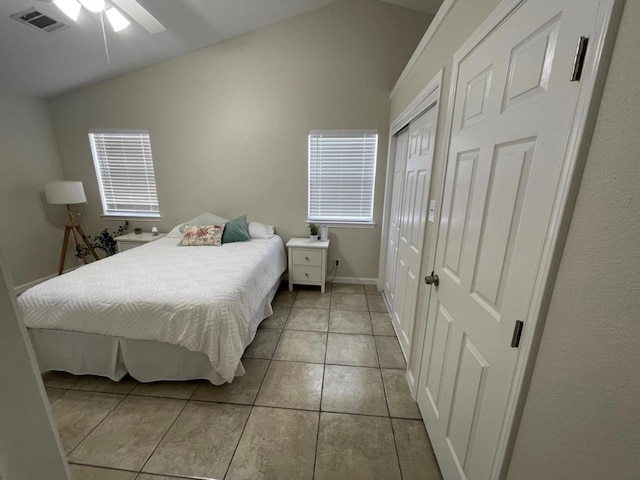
(145, 360)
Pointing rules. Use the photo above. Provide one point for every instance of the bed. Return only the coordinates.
(158, 312)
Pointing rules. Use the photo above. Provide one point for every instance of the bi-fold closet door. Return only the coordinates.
(407, 221)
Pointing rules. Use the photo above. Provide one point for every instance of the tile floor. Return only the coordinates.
(324, 397)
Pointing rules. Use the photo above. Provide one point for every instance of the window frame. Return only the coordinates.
(367, 222)
(150, 215)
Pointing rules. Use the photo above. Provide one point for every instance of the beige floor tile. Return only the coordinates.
(312, 299)
(349, 301)
(372, 290)
(276, 444)
(355, 447)
(92, 383)
(83, 472)
(263, 345)
(242, 390)
(128, 435)
(354, 350)
(292, 385)
(201, 442)
(381, 323)
(167, 389)
(296, 346)
(347, 288)
(54, 393)
(389, 353)
(345, 321)
(277, 320)
(398, 395)
(376, 303)
(312, 319)
(353, 390)
(284, 298)
(77, 413)
(60, 379)
(417, 460)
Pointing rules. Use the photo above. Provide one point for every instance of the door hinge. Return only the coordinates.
(517, 333)
(578, 61)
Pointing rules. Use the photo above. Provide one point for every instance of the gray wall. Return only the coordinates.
(582, 415)
(229, 123)
(31, 231)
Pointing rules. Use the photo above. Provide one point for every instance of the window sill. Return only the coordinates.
(344, 224)
(138, 218)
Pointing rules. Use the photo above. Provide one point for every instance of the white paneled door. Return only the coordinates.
(512, 115)
(395, 216)
(414, 208)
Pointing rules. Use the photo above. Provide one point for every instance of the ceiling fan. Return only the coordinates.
(112, 10)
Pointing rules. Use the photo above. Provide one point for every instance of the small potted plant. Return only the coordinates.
(313, 231)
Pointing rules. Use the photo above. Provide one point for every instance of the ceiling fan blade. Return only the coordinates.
(137, 12)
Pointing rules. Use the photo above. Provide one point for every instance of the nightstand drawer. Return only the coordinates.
(302, 273)
(307, 257)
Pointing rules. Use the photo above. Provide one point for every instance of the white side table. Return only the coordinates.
(133, 240)
(307, 262)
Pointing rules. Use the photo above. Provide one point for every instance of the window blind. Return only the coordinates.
(342, 168)
(124, 167)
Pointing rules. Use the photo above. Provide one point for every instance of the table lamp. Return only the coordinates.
(63, 192)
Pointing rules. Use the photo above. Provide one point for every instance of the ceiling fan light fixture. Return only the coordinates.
(95, 6)
(71, 8)
(116, 19)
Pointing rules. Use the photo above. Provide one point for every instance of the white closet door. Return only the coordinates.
(395, 216)
(513, 109)
(415, 206)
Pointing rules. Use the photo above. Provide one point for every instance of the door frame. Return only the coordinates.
(429, 97)
(601, 43)
(24, 400)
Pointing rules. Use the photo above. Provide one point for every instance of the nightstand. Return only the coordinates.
(133, 240)
(307, 262)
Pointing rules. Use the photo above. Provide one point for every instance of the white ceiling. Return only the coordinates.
(46, 65)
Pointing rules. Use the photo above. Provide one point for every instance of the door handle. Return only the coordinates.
(432, 279)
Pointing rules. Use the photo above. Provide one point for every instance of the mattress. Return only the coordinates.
(200, 298)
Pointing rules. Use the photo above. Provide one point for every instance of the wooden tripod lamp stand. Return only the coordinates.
(62, 192)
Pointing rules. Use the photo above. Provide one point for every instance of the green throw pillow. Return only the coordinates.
(236, 230)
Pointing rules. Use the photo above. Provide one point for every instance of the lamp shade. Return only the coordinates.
(64, 192)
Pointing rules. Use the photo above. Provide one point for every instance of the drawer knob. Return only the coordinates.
(306, 274)
(306, 258)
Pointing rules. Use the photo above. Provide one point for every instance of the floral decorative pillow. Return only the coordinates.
(202, 235)
(204, 219)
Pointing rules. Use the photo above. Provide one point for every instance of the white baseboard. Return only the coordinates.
(26, 286)
(352, 280)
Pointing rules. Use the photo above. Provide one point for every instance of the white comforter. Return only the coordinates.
(201, 298)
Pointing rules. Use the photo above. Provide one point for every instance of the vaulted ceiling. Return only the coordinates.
(49, 64)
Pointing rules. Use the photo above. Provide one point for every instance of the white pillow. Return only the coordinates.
(202, 219)
(260, 230)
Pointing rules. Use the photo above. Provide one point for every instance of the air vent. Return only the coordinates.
(39, 21)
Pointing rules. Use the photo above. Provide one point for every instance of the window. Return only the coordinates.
(124, 168)
(342, 170)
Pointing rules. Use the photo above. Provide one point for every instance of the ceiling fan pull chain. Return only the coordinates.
(104, 36)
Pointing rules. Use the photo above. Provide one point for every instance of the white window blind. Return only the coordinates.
(342, 169)
(124, 167)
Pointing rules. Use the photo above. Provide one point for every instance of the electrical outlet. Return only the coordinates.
(337, 262)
